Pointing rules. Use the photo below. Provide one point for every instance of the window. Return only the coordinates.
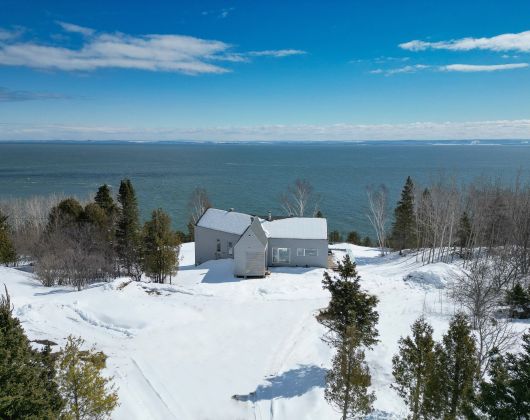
(281, 255)
(230, 248)
(306, 252)
(311, 252)
(218, 249)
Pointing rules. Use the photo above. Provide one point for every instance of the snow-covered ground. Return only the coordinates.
(182, 351)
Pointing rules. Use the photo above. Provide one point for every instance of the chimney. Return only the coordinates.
(269, 217)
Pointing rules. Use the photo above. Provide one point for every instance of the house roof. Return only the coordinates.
(297, 228)
(225, 221)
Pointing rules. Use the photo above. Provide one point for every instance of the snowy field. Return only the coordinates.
(183, 351)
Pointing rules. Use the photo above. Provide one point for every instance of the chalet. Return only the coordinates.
(256, 243)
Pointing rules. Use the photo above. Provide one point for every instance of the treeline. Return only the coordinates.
(454, 378)
(43, 385)
(77, 243)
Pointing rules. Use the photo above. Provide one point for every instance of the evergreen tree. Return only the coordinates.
(507, 395)
(27, 386)
(104, 200)
(67, 213)
(335, 237)
(519, 301)
(349, 378)
(464, 234)
(8, 253)
(412, 367)
(160, 252)
(319, 214)
(88, 395)
(128, 229)
(349, 306)
(367, 242)
(404, 227)
(457, 368)
(353, 238)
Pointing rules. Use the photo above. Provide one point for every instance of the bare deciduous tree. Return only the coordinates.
(198, 204)
(300, 199)
(378, 213)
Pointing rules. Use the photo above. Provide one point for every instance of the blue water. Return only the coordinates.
(249, 177)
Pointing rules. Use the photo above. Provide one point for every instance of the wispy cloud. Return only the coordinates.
(8, 95)
(9, 34)
(152, 52)
(276, 53)
(504, 42)
(221, 14)
(464, 68)
(70, 27)
(479, 130)
(405, 69)
(469, 68)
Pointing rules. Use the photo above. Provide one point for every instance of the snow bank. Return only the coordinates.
(182, 351)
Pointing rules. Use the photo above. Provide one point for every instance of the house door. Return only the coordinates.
(255, 263)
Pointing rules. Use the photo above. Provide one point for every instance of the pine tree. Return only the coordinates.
(104, 200)
(349, 306)
(8, 253)
(519, 301)
(319, 214)
(88, 395)
(367, 242)
(160, 251)
(412, 367)
(27, 386)
(457, 368)
(404, 227)
(464, 234)
(335, 237)
(507, 394)
(128, 229)
(353, 238)
(349, 378)
(67, 213)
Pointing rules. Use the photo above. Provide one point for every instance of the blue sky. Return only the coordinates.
(264, 70)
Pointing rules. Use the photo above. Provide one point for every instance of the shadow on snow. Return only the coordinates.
(293, 383)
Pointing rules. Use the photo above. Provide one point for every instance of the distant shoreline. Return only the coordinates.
(509, 142)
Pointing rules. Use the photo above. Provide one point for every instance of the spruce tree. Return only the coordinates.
(8, 253)
(349, 306)
(457, 368)
(87, 394)
(27, 386)
(349, 378)
(353, 238)
(464, 233)
(507, 394)
(128, 229)
(404, 227)
(104, 200)
(412, 367)
(67, 213)
(519, 301)
(160, 249)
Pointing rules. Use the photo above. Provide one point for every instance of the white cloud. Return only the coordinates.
(154, 52)
(8, 95)
(6, 34)
(465, 68)
(468, 68)
(504, 42)
(406, 69)
(70, 27)
(479, 130)
(276, 53)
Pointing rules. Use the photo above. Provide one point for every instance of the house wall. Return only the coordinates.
(250, 256)
(293, 244)
(206, 244)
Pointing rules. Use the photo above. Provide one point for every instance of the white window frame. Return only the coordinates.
(311, 249)
(300, 252)
(276, 255)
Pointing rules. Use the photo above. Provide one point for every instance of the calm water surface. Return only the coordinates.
(249, 177)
